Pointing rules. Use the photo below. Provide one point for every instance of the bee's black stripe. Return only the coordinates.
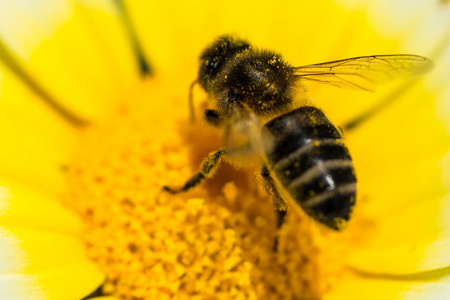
(301, 163)
(327, 181)
(316, 201)
(319, 169)
(284, 162)
(296, 129)
(336, 208)
(312, 163)
(288, 142)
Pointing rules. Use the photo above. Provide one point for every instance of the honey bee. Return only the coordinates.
(303, 156)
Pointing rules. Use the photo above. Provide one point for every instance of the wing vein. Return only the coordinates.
(365, 72)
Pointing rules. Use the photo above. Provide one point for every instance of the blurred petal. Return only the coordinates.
(35, 142)
(443, 107)
(432, 38)
(438, 290)
(360, 286)
(394, 18)
(43, 17)
(399, 164)
(403, 259)
(414, 232)
(352, 4)
(68, 282)
(397, 155)
(24, 206)
(198, 23)
(87, 64)
(394, 151)
(426, 36)
(42, 263)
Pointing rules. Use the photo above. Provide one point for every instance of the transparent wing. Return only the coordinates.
(242, 129)
(365, 72)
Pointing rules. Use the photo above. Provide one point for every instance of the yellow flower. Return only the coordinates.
(88, 142)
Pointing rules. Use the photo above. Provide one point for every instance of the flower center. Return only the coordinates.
(215, 241)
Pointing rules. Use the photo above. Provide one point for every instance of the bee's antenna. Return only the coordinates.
(191, 101)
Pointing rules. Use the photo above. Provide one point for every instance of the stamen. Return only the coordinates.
(12, 62)
(144, 66)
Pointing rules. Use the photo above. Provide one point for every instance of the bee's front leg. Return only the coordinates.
(207, 169)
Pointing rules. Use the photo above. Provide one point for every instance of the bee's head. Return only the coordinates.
(215, 57)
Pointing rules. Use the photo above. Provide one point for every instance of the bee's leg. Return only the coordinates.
(207, 169)
(281, 216)
(278, 202)
(191, 101)
(212, 117)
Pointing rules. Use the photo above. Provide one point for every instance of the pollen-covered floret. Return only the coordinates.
(213, 242)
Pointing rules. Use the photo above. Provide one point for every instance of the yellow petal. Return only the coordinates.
(438, 290)
(30, 14)
(443, 108)
(352, 4)
(427, 36)
(399, 135)
(43, 265)
(68, 282)
(397, 152)
(397, 156)
(34, 250)
(36, 142)
(361, 286)
(410, 220)
(394, 18)
(22, 205)
(80, 54)
(339, 38)
(176, 42)
(403, 259)
(42, 254)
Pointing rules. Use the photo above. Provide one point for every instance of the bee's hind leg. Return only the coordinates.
(207, 169)
(279, 203)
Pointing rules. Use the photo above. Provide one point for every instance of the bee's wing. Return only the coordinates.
(242, 131)
(365, 72)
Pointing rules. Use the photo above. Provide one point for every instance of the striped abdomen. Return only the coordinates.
(311, 161)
